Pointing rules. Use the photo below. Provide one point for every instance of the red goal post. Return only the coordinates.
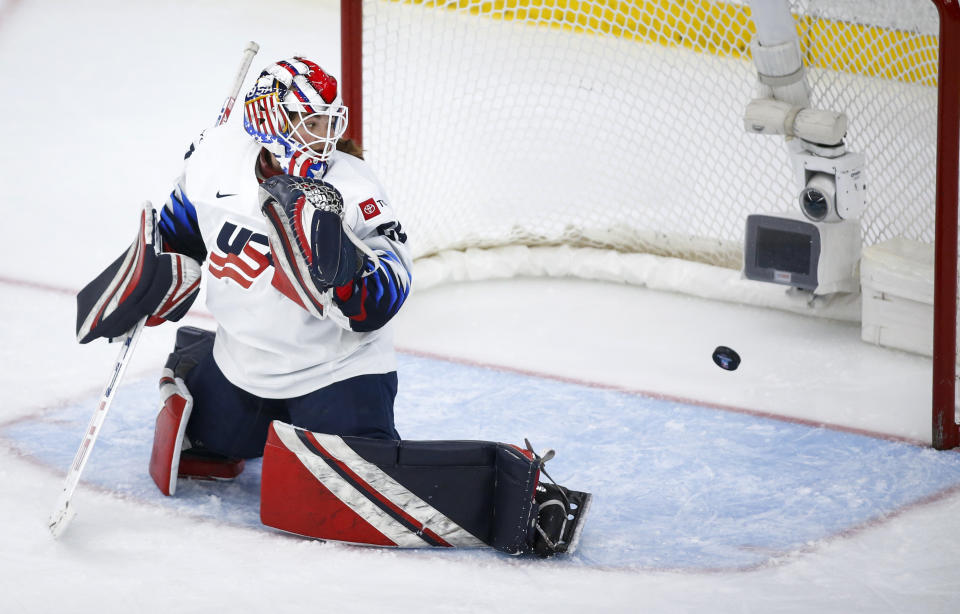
(610, 129)
(946, 433)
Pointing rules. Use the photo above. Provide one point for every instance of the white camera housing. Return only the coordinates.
(833, 188)
(831, 177)
(818, 248)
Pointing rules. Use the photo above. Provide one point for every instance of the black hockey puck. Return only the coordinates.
(726, 358)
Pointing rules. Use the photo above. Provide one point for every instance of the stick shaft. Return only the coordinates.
(62, 513)
(248, 52)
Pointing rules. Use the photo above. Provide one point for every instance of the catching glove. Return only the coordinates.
(311, 251)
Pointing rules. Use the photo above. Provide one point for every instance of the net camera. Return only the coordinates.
(817, 248)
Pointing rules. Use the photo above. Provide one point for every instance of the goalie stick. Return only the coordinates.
(63, 511)
(248, 52)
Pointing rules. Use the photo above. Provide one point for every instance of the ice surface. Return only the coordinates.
(675, 486)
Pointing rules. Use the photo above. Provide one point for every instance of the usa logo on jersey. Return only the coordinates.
(241, 256)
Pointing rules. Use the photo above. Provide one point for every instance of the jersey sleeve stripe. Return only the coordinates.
(372, 300)
(180, 228)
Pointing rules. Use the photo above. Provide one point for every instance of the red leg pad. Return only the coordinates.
(168, 435)
(168, 460)
(292, 499)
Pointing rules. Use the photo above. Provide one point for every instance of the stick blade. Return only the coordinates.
(60, 519)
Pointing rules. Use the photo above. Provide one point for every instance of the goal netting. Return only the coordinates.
(604, 138)
(619, 124)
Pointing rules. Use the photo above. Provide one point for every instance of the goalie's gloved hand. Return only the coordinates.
(141, 282)
(309, 245)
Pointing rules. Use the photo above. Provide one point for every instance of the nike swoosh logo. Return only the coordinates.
(219, 195)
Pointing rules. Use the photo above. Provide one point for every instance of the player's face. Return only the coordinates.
(313, 130)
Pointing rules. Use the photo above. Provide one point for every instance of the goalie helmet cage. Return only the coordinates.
(617, 125)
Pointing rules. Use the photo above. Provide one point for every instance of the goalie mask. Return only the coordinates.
(294, 110)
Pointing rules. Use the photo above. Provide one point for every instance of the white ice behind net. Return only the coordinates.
(491, 132)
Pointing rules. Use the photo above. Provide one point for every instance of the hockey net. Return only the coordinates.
(538, 129)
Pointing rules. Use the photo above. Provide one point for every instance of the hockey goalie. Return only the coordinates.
(305, 263)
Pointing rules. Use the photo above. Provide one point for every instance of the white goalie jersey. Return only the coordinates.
(267, 343)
